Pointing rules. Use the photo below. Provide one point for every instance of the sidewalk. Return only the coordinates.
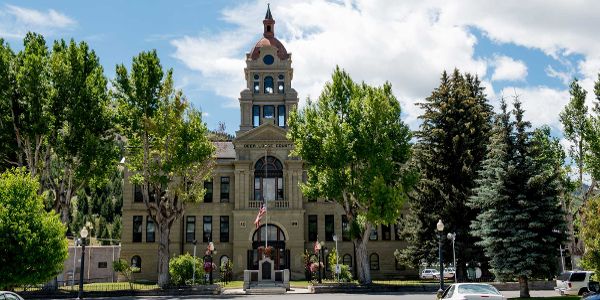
(294, 290)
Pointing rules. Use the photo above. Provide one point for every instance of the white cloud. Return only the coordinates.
(542, 104)
(507, 68)
(406, 43)
(16, 21)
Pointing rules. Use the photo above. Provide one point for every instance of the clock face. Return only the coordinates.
(268, 59)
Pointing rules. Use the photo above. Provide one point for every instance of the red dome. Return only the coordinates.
(269, 41)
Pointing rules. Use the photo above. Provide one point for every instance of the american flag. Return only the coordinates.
(261, 212)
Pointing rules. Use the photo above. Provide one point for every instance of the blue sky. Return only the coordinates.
(531, 49)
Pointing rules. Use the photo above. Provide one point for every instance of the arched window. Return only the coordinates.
(256, 86)
(374, 261)
(347, 260)
(268, 179)
(136, 261)
(268, 86)
(280, 84)
(274, 234)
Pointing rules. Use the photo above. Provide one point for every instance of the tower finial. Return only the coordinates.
(268, 16)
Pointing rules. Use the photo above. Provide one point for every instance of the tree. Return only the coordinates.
(34, 246)
(182, 269)
(589, 235)
(451, 145)
(126, 270)
(167, 149)
(521, 222)
(576, 125)
(355, 146)
(8, 153)
(60, 117)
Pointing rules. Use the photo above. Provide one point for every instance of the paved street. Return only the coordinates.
(388, 296)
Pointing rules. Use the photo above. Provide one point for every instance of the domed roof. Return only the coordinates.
(269, 41)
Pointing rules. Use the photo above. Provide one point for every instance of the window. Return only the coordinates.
(207, 229)
(224, 233)
(329, 227)
(373, 235)
(190, 229)
(269, 111)
(256, 87)
(374, 261)
(312, 228)
(208, 195)
(255, 115)
(268, 59)
(137, 229)
(268, 179)
(281, 115)
(280, 84)
(347, 260)
(150, 230)
(102, 265)
(386, 233)
(136, 261)
(268, 87)
(225, 189)
(137, 194)
(345, 229)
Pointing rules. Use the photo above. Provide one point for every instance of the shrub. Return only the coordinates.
(345, 273)
(126, 270)
(181, 269)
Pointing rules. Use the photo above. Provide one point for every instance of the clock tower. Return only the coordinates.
(268, 96)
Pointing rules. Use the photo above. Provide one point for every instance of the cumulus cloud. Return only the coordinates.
(507, 68)
(16, 21)
(542, 104)
(406, 43)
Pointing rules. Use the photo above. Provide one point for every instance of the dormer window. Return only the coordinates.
(268, 85)
(256, 87)
(280, 84)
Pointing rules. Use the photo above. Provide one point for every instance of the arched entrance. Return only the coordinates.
(275, 239)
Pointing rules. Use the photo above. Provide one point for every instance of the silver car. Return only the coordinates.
(4, 295)
(472, 291)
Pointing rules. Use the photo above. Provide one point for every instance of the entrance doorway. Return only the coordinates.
(275, 239)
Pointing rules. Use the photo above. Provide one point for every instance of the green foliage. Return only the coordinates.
(345, 272)
(126, 270)
(8, 153)
(167, 146)
(355, 146)
(451, 145)
(33, 241)
(590, 234)
(181, 269)
(521, 223)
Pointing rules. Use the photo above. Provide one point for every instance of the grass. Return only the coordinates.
(98, 287)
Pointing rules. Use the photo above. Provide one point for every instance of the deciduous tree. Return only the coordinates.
(355, 147)
(168, 149)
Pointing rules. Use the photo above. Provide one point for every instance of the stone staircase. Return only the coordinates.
(266, 288)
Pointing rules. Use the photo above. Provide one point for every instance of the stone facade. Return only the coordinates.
(255, 166)
(98, 264)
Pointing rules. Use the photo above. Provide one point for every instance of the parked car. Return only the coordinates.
(594, 294)
(429, 273)
(448, 274)
(573, 282)
(4, 295)
(471, 291)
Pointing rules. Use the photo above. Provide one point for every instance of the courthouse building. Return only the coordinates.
(257, 166)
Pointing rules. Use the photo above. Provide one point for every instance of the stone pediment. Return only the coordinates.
(265, 132)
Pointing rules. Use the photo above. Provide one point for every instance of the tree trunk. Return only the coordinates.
(523, 287)
(164, 231)
(363, 267)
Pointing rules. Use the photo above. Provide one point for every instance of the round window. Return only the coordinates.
(256, 77)
(280, 76)
(268, 59)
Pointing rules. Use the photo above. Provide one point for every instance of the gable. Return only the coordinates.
(265, 132)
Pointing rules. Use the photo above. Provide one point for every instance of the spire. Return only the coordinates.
(269, 24)
(268, 16)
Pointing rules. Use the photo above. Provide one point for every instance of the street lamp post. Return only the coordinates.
(211, 249)
(440, 229)
(452, 237)
(83, 233)
(318, 247)
(337, 258)
(194, 265)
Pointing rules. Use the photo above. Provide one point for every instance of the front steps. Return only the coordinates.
(266, 288)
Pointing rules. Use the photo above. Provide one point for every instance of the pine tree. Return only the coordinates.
(521, 222)
(450, 147)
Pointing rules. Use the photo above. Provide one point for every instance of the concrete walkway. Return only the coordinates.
(293, 290)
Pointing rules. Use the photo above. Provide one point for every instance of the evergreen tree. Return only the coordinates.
(521, 222)
(450, 147)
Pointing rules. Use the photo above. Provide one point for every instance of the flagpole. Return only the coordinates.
(266, 206)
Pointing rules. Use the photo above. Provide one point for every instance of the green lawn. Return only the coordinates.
(238, 284)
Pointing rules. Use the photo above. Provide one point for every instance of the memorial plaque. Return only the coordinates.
(266, 270)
